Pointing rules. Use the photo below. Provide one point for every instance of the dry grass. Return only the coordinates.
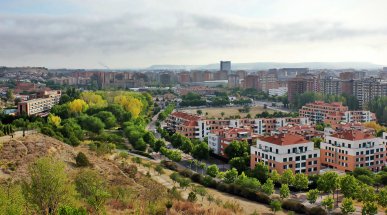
(228, 111)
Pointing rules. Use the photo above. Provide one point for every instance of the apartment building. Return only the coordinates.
(334, 112)
(286, 151)
(43, 104)
(218, 140)
(367, 89)
(193, 126)
(347, 149)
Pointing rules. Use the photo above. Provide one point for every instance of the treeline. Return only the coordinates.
(91, 114)
(379, 107)
(308, 97)
(259, 183)
(197, 148)
(167, 110)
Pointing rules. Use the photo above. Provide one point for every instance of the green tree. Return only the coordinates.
(287, 177)
(261, 172)
(92, 186)
(48, 187)
(199, 112)
(11, 199)
(237, 149)
(369, 208)
(91, 123)
(284, 191)
(328, 203)
(301, 181)
(366, 193)
(201, 151)
(275, 176)
(328, 182)
(347, 206)
(240, 163)
(349, 186)
(382, 197)
(187, 147)
(275, 206)
(107, 118)
(213, 170)
(82, 160)
(268, 187)
(230, 176)
(312, 195)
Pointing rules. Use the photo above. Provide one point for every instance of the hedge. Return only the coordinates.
(235, 189)
(293, 205)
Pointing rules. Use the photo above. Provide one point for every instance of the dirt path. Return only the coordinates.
(248, 206)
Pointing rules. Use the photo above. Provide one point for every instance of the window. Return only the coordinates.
(285, 160)
(315, 162)
(291, 159)
(297, 158)
(276, 151)
(310, 156)
(297, 165)
(303, 164)
(315, 155)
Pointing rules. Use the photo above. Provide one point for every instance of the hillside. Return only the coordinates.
(142, 194)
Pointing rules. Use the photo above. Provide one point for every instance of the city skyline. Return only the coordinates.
(90, 34)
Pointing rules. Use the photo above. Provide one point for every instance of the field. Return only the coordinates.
(228, 111)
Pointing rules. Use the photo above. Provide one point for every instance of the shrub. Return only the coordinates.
(187, 173)
(169, 165)
(208, 181)
(295, 206)
(82, 160)
(262, 198)
(198, 178)
(223, 187)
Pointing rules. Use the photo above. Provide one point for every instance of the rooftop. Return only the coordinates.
(353, 135)
(284, 139)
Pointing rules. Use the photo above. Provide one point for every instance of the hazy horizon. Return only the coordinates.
(140, 33)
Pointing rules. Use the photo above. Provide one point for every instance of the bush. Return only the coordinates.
(316, 211)
(192, 197)
(262, 198)
(208, 181)
(198, 178)
(186, 173)
(223, 187)
(82, 160)
(295, 206)
(169, 165)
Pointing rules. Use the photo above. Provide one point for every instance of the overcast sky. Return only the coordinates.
(140, 33)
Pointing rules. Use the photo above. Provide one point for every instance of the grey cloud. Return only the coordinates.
(24, 35)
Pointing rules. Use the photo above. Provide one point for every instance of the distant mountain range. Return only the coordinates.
(271, 65)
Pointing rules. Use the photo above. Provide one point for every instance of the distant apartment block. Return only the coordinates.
(43, 104)
(225, 66)
(218, 140)
(367, 89)
(286, 151)
(280, 91)
(348, 149)
(334, 112)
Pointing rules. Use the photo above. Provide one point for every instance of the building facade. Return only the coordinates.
(43, 104)
(348, 149)
(286, 151)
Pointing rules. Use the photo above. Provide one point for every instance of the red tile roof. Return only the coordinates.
(284, 139)
(353, 135)
(186, 116)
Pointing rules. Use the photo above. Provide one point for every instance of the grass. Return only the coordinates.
(215, 112)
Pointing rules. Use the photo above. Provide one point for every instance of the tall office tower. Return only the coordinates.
(225, 66)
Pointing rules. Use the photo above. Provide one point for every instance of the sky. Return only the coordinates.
(140, 33)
